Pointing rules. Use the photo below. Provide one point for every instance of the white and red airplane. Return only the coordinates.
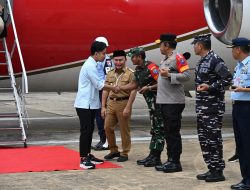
(55, 35)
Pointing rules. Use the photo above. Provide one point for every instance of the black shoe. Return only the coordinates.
(122, 159)
(203, 176)
(160, 167)
(101, 146)
(155, 161)
(85, 163)
(234, 158)
(244, 187)
(112, 155)
(215, 176)
(172, 167)
(97, 145)
(238, 185)
(143, 161)
(95, 160)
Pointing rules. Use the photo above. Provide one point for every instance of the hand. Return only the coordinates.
(202, 87)
(126, 112)
(232, 88)
(164, 72)
(143, 89)
(117, 89)
(238, 89)
(103, 113)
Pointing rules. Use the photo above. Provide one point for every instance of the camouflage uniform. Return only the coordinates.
(143, 78)
(210, 107)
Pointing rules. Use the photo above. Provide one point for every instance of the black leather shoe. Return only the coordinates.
(234, 158)
(122, 159)
(143, 161)
(215, 176)
(172, 167)
(203, 176)
(244, 187)
(238, 185)
(160, 167)
(112, 155)
(155, 161)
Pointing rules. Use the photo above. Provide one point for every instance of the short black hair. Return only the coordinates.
(206, 45)
(171, 44)
(97, 47)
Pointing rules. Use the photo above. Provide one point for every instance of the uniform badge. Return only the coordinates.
(109, 63)
(155, 71)
(182, 61)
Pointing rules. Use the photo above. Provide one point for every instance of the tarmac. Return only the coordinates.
(53, 121)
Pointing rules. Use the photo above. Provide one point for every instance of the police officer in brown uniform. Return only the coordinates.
(117, 107)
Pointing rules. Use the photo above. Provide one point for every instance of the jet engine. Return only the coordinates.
(227, 19)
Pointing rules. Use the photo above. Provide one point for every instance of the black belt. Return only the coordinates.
(241, 102)
(119, 99)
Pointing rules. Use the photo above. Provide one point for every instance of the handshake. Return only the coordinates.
(116, 89)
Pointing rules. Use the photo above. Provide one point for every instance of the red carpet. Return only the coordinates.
(42, 158)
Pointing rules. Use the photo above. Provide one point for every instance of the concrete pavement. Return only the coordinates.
(54, 122)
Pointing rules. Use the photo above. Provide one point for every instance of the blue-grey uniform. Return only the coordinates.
(210, 107)
(241, 117)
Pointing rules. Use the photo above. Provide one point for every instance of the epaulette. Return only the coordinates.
(130, 69)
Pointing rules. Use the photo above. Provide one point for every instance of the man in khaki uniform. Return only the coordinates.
(117, 107)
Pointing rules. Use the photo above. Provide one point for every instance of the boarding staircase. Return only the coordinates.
(13, 114)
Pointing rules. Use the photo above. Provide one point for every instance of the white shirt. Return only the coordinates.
(89, 84)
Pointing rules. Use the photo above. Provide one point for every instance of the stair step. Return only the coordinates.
(2, 51)
(4, 76)
(6, 143)
(8, 115)
(3, 63)
(5, 89)
(10, 128)
(10, 100)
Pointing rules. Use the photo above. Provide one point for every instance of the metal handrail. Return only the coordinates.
(18, 48)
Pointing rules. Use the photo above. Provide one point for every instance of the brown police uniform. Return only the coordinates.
(115, 106)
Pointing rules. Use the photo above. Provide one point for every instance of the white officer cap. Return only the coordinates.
(102, 39)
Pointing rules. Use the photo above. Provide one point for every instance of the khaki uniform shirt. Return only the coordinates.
(121, 79)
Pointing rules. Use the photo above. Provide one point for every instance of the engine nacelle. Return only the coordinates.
(227, 19)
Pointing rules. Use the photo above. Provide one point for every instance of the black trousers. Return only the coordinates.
(87, 119)
(172, 125)
(241, 125)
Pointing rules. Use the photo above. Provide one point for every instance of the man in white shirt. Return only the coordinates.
(87, 102)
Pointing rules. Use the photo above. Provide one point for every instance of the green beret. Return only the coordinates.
(135, 51)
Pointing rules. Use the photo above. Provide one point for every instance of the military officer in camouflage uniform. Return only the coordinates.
(146, 75)
(212, 76)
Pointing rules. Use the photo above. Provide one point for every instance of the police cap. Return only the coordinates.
(239, 42)
(166, 38)
(118, 53)
(202, 38)
(136, 51)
